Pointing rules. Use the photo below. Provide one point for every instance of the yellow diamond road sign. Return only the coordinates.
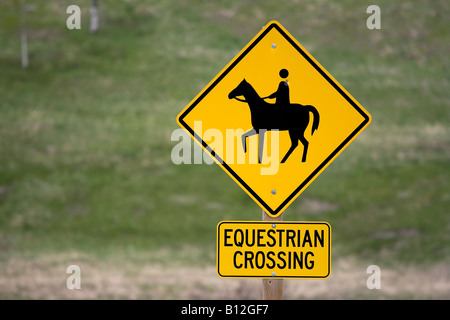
(274, 119)
(273, 249)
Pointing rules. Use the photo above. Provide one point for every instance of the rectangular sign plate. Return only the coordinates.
(278, 249)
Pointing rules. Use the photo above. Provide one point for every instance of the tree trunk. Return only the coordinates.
(23, 35)
(94, 17)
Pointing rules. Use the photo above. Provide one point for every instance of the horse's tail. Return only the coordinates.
(316, 120)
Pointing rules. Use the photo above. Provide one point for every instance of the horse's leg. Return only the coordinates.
(249, 133)
(305, 146)
(262, 133)
(294, 143)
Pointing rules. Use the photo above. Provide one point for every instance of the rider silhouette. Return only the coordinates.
(282, 93)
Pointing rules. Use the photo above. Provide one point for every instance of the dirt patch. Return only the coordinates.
(391, 234)
(44, 277)
(309, 205)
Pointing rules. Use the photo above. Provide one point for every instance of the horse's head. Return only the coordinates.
(239, 90)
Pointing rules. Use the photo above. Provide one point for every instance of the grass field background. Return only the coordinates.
(86, 175)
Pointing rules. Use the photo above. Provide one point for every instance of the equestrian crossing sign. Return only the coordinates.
(273, 249)
(273, 119)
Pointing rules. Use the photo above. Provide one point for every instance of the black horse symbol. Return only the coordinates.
(266, 116)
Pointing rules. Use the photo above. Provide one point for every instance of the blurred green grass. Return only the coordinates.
(85, 130)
